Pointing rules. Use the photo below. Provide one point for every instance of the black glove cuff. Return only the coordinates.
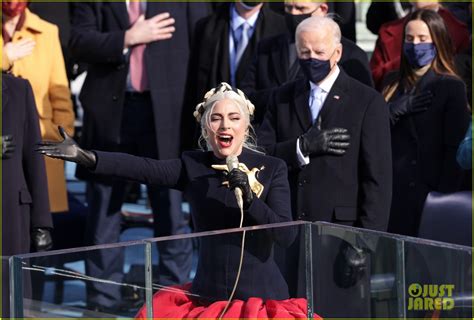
(89, 159)
(303, 145)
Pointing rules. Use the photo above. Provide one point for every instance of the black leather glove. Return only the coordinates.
(68, 150)
(239, 179)
(41, 239)
(8, 146)
(350, 266)
(409, 104)
(333, 141)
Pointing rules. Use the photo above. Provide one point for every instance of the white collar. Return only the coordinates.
(328, 82)
(236, 20)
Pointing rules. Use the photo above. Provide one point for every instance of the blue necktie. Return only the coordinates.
(241, 45)
(315, 103)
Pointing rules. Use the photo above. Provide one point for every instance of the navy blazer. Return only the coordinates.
(353, 189)
(214, 208)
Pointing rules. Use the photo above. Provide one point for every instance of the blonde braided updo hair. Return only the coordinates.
(223, 91)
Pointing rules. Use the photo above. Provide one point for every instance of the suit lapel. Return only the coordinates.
(335, 100)
(120, 11)
(301, 100)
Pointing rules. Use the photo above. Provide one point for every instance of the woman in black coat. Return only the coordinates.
(26, 218)
(202, 176)
(429, 115)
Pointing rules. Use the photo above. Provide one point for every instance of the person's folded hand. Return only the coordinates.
(334, 141)
(409, 104)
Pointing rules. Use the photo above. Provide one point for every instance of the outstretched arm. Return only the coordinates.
(166, 173)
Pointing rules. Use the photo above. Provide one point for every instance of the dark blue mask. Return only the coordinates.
(420, 54)
(314, 69)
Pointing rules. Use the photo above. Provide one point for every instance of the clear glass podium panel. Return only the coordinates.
(69, 284)
(291, 270)
(86, 282)
(366, 274)
(227, 281)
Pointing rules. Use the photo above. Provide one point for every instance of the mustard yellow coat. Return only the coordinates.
(45, 70)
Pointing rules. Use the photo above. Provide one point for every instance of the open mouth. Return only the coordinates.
(225, 141)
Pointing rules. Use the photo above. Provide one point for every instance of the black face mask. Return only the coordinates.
(250, 4)
(293, 20)
(315, 70)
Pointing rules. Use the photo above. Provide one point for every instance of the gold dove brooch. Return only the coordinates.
(256, 186)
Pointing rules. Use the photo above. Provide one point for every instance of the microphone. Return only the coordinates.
(233, 163)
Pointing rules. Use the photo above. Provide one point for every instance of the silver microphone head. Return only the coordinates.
(232, 162)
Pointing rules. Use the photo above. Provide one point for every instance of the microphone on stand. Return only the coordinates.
(233, 163)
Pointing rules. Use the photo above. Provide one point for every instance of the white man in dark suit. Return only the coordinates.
(137, 54)
(334, 133)
(276, 60)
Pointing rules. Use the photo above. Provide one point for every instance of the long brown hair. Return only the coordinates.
(443, 63)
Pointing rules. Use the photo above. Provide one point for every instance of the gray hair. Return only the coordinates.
(204, 111)
(317, 23)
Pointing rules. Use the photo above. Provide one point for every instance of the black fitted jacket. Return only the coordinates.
(214, 207)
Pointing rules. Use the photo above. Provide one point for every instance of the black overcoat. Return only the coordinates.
(424, 151)
(25, 203)
(353, 189)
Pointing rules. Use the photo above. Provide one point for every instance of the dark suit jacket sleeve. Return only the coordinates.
(375, 173)
(88, 43)
(33, 165)
(276, 208)
(189, 127)
(456, 122)
(249, 82)
(250, 86)
(166, 173)
(196, 11)
(358, 67)
(267, 137)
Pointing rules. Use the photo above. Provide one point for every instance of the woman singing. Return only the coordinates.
(224, 116)
(429, 115)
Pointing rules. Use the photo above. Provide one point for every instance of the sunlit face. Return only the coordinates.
(227, 129)
(417, 31)
(429, 5)
(318, 45)
(304, 7)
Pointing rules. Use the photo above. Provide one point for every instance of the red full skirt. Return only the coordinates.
(174, 303)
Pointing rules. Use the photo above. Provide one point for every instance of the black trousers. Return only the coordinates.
(104, 219)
